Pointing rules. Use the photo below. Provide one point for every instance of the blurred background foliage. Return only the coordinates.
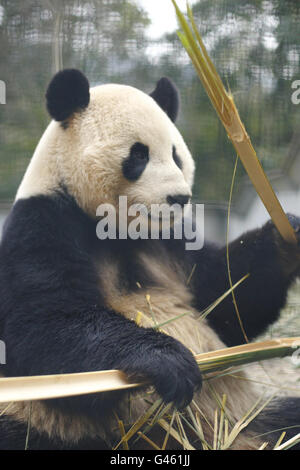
(254, 44)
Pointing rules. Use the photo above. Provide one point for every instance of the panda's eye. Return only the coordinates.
(176, 158)
(139, 151)
(134, 165)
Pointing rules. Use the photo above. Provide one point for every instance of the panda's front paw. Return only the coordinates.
(177, 376)
(172, 370)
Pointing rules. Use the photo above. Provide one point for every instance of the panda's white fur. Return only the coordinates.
(87, 158)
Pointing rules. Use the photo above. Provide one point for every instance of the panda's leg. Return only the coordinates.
(271, 264)
(16, 435)
(283, 414)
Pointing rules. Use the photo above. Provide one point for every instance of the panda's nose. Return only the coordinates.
(180, 199)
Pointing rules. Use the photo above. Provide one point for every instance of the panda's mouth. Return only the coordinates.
(164, 223)
(149, 217)
(161, 218)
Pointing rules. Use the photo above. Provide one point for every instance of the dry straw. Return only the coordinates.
(225, 107)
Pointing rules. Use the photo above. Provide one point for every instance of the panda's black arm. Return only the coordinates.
(53, 319)
(272, 265)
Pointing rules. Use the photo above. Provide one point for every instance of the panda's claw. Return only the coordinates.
(179, 379)
(172, 369)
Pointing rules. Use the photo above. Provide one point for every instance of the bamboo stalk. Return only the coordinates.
(225, 107)
(62, 385)
(247, 353)
(40, 387)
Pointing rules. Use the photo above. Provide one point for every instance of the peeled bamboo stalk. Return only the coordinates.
(225, 107)
(40, 387)
(63, 385)
(246, 353)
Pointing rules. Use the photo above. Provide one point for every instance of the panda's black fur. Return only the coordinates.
(68, 92)
(54, 316)
(167, 96)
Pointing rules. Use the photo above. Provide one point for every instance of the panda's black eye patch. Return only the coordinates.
(136, 162)
(176, 158)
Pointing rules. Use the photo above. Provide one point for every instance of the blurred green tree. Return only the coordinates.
(104, 38)
(254, 44)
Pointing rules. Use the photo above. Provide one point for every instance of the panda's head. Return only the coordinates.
(108, 141)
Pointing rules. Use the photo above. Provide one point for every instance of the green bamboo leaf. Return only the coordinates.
(209, 309)
(199, 70)
(208, 60)
(208, 76)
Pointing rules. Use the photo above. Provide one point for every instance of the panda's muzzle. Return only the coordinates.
(180, 199)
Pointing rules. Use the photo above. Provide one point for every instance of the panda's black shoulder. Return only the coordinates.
(47, 246)
(45, 219)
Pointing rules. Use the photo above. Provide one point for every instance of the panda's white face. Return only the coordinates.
(121, 144)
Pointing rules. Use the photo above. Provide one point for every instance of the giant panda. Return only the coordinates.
(69, 300)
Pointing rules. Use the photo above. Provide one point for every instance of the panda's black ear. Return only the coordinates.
(167, 96)
(68, 92)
